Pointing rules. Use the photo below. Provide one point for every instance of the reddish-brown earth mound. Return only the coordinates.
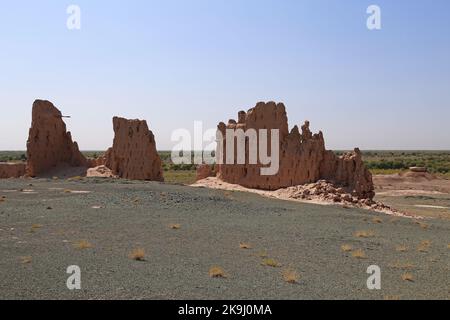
(303, 157)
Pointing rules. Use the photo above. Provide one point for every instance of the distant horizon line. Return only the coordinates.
(363, 150)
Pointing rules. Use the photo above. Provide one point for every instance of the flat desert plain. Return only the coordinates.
(149, 240)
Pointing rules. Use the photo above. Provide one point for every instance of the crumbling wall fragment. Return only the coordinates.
(204, 171)
(12, 170)
(133, 154)
(49, 144)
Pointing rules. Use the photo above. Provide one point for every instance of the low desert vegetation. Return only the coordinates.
(76, 178)
(364, 234)
(269, 262)
(262, 254)
(401, 248)
(217, 272)
(290, 276)
(26, 260)
(421, 224)
(82, 244)
(180, 177)
(244, 245)
(448, 246)
(35, 227)
(13, 156)
(408, 277)
(346, 248)
(228, 194)
(390, 162)
(377, 220)
(359, 254)
(175, 226)
(401, 265)
(424, 246)
(391, 298)
(424, 226)
(138, 254)
(67, 191)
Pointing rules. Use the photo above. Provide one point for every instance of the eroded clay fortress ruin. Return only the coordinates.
(303, 157)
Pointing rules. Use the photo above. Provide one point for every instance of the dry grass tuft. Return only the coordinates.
(377, 220)
(25, 260)
(35, 227)
(228, 194)
(424, 226)
(401, 265)
(244, 245)
(359, 254)
(408, 277)
(394, 298)
(2, 198)
(67, 191)
(76, 178)
(291, 276)
(401, 248)
(217, 272)
(346, 248)
(138, 254)
(270, 263)
(175, 226)
(364, 234)
(448, 246)
(421, 224)
(433, 259)
(263, 254)
(424, 246)
(82, 244)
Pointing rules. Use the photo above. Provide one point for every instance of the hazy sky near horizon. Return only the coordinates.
(174, 62)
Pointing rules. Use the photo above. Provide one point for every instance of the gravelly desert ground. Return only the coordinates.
(41, 222)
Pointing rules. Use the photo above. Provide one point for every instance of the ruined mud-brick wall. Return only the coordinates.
(303, 157)
(133, 154)
(12, 170)
(204, 171)
(49, 144)
(348, 170)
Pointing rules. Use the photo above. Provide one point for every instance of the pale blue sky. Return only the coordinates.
(174, 62)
